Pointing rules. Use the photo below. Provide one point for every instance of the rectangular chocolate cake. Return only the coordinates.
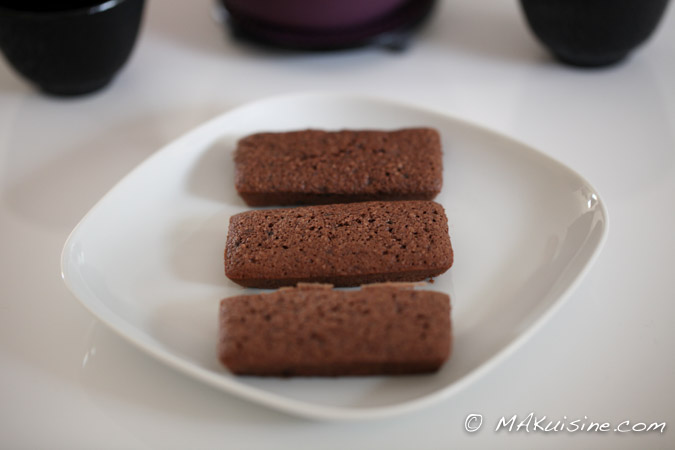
(315, 330)
(343, 244)
(319, 167)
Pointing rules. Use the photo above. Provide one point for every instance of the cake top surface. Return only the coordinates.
(379, 322)
(342, 162)
(346, 239)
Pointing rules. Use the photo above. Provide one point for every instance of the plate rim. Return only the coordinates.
(299, 407)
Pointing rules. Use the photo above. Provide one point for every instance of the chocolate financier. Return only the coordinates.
(315, 330)
(321, 167)
(343, 244)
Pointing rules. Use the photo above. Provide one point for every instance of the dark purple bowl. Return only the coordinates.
(325, 24)
(69, 47)
(314, 14)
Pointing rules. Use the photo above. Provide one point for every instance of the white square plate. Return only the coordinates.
(147, 260)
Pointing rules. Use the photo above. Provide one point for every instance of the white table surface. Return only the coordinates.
(66, 381)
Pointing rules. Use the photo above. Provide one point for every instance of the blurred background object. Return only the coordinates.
(592, 33)
(326, 24)
(69, 47)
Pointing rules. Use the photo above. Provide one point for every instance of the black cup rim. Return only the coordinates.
(101, 7)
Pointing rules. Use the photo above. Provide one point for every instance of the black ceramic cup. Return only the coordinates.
(592, 33)
(69, 47)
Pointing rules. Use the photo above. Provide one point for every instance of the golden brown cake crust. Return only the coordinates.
(319, 331)
(343, 245)
(320, 167)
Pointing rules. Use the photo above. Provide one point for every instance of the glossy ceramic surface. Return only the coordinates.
(314, 14)
(327, 24)
(592, 33)
(147, 259)
(69, 48)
